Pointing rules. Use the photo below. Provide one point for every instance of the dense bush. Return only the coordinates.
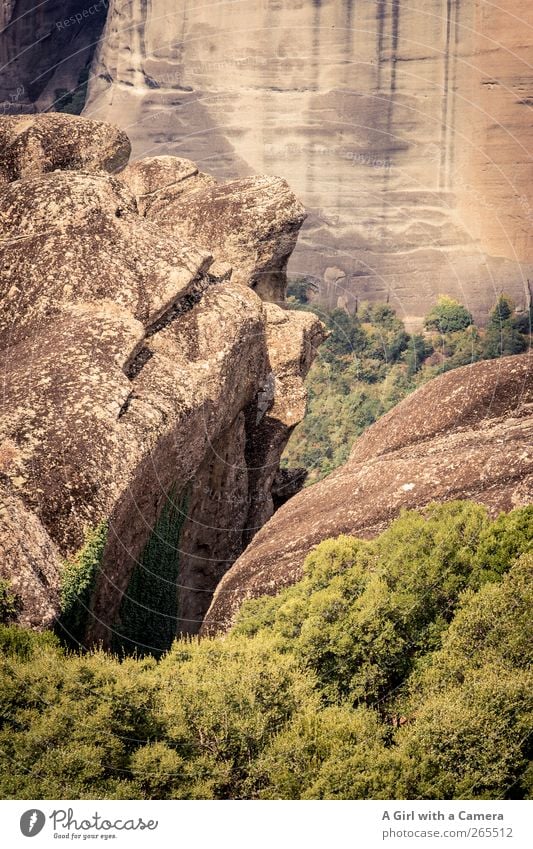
(397, 668)
(8, 602)
(448, 316)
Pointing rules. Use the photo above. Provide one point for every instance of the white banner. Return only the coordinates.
(254, 825)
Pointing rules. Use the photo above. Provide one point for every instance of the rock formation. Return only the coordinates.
(44, 49)
(467, 434)
(138, 364)
(405, 128)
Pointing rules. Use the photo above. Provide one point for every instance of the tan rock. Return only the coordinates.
(37, 144)
(251, 224)
(158, 180)
(76, 238)
(404, 127)
(133, 368)
(30, 561)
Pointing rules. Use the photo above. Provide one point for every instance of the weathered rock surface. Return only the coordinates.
(157, 181)
(43, 48)
(134, 369)
(232, 492)
(226, 217)
(467, 434)
(38, 144)
(404, 127)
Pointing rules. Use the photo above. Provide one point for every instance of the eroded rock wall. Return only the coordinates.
(44, 47)
(405, 128)
(134, 366)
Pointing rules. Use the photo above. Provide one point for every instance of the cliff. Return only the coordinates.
(404, 127)
(142, 374)
(466, 434)
(44, 48)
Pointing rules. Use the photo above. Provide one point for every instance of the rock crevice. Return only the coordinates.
(134, 349)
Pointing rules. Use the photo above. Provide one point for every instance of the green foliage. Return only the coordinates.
(358, 376)
(503, 338)
(298, 290)
(473, 699)
(149, 610)
(20, 643)
(502, 311)
(397, 668)
(369, 363)
(523, 322)
(72, 102)
(448, 316)
(8, 602)
(77, 584)
(364, 612)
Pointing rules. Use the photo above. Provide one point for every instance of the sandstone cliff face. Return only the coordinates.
(405, 128)
(467, 434)
(138, 367)
(43, 47)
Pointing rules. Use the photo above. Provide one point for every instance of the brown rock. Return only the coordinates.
(38, 144)
(133, 369)
(251, 224)
(30, 561)
(467, 434)
(75, 237)
(159, 180)
(231, 493)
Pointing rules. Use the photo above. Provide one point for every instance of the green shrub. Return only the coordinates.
(396, 668)
(77, 584)
(448, 316)
(8, 602)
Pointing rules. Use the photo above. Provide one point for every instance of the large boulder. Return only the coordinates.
(467, 434)
(252, 224)
(38, 144)
(132, 365)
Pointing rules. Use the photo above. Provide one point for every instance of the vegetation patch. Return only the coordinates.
(72, 102)
(9, 603)
(149, 610)
(370, 363)
(77, 584)
(397, 668)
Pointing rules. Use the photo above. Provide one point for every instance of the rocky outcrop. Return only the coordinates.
(404, 127)
(135, 371)
(467, 434)
(31, 145)
(44, 47)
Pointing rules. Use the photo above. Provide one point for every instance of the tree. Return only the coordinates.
(502, 311)
(502, 337)
(448, 316)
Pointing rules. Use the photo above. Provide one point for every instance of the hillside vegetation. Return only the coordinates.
(369, 363)
(397, 668)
